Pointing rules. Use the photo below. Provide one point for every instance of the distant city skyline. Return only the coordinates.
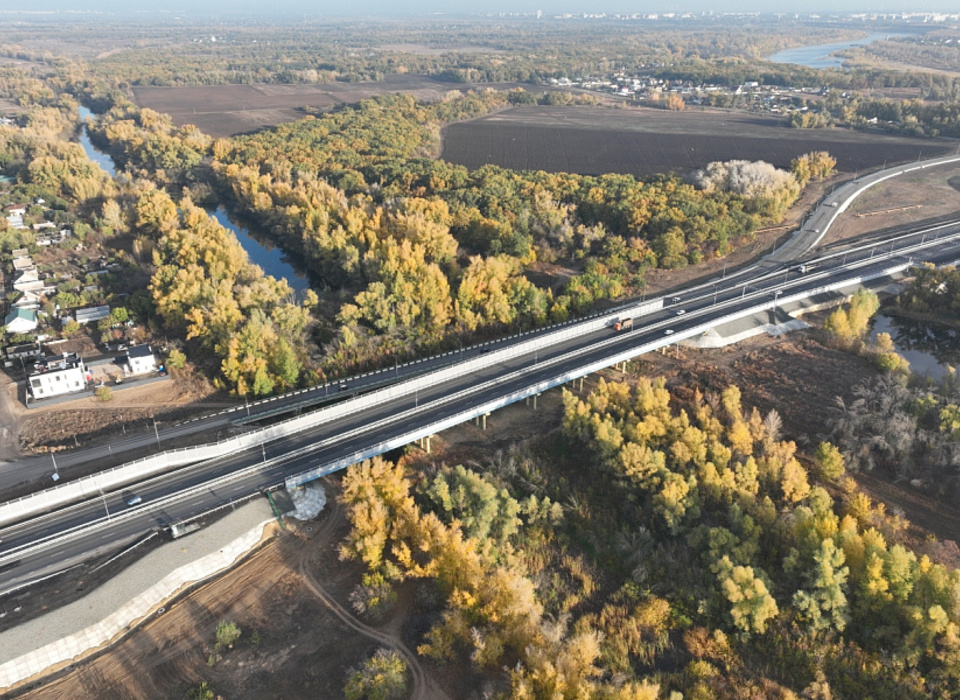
(388, 8)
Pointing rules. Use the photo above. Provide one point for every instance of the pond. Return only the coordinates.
(819, 55)
(261, 250)
(928, 348)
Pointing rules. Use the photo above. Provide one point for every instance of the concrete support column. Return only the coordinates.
(484, 417)
(581, 384)
(535, 401)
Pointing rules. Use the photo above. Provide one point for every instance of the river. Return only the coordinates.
(259, 247)
(820, 55)
(265, 253)
(93, 153)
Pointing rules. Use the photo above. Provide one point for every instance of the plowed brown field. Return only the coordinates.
(643, 142)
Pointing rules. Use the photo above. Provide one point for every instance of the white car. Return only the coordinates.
(681, 312)
(669, 331)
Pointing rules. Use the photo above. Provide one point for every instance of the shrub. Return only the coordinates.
(381, 677)
(227, 634)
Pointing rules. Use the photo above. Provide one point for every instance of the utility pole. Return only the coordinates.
(56, 472)
(157, 433)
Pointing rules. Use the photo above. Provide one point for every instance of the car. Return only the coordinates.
(343, 387)
(681, 312)
(669, 331)
(676, 300)
(134, 501)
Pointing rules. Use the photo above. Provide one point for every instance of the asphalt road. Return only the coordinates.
(188, 491)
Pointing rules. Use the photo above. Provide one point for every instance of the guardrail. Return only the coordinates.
(87, 487)
(461, 416)
(544, 385)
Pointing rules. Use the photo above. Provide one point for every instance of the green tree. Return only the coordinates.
(830, 462)
(381, 677)
(752, 606)
(227, 634)
(822, 606)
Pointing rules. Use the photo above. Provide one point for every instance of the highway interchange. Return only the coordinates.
(44, 545)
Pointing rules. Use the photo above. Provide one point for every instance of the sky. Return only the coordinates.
(461, 7)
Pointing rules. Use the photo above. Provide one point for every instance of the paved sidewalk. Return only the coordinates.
(63, 635)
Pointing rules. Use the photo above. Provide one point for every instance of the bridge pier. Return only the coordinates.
(481, 421)
(581, 385)
(424, 443)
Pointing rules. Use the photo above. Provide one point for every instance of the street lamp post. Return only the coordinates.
(56, 472)
(157, 433)
(105, 508)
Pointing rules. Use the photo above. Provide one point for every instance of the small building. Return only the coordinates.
(26, 279)
(56, 376)
(15, 214)
(24, 351)
(28, 300)
(140, 360)
(23, 263)
(21, 321)
(91, 314)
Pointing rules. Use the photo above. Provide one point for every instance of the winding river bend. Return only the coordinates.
(259, 247)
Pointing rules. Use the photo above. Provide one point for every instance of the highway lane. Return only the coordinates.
(38, 469)
(267, 467)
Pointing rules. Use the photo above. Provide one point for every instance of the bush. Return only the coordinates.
(227, 634)
(382, 677)
(103, 393)
(176, 359)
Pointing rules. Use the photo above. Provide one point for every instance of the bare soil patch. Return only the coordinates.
(911, 199)
(643, 141)
(298, 638)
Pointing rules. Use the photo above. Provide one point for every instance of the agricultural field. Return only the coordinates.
(643, 142)
(228, 110)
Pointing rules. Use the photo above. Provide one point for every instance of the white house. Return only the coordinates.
(140, 360)
(58, 376)
(15, 214)
(26, 278)
(21, 321)
(22, 263)
(28, 300)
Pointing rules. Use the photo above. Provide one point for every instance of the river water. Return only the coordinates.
(93, 153)
(819, 56)
(265, 253)
(259, 247)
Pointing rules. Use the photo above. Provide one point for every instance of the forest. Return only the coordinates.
(417, 253)
(660, 546)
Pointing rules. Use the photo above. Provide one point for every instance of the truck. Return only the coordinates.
(624, 324)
